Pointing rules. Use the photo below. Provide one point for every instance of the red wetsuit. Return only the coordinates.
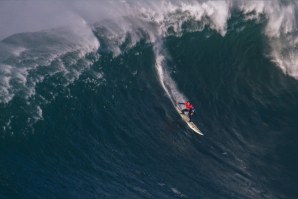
(189, 108)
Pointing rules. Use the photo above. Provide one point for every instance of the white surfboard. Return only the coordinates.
(190, 124)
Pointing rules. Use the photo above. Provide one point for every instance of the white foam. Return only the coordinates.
(177, 192)
(165, 79)
(74, 39)
(281, 30)
(281, 20)
(252, 9)
(169, 14)
(156, 18)
(219, 14)
(30, 64)
(38, 113)
(5, 87)
(18, 50)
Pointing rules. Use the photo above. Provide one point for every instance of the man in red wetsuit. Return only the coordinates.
(189, 108)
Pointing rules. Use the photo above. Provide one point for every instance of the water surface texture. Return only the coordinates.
(87, 94)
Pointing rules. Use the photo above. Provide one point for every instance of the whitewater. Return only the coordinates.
(88, 89)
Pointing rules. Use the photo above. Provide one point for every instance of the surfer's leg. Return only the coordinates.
(184, 110)
(189, 116)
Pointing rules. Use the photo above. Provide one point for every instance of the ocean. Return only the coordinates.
(88, 92)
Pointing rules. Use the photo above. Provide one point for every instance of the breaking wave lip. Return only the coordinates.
(160, 19)
(20, 65)
(170, 18)
(281, 31)
(30, 58)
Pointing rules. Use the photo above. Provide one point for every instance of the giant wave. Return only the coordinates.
(87, 101)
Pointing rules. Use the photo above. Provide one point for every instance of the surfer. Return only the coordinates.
(189, 108)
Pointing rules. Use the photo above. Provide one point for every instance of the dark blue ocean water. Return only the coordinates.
(99, 124)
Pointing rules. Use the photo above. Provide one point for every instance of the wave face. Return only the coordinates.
(87, 102)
